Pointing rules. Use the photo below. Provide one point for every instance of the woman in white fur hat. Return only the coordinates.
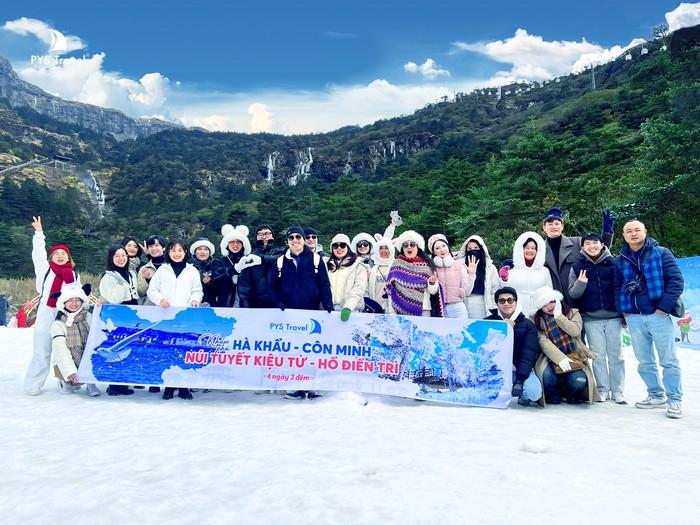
(235, 251)
(364, 247)
(412, 283)
(69, 333)
(202, 257)
(456, 282)
(383, 258)
(348, 277)
(564, 367)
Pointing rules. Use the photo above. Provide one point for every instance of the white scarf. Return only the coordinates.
(443, 262)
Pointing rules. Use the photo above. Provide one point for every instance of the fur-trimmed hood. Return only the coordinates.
(518, 253)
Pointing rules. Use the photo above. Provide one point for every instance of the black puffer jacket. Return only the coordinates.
(224, 277)
(526, 348)
(205, 267)
(253, 286)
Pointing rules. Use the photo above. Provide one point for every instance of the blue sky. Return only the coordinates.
(309, 65)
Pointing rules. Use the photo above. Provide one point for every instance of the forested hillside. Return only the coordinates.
(475, 164)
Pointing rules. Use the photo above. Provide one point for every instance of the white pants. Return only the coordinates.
(456, 310)
(476, 306)
(41, 355)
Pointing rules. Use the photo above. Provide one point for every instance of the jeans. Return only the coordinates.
(532, 389)
(604, 337)
(656, 331)
(570, 385)
(456, 310)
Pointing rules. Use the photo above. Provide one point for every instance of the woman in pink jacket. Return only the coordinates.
(452, 274)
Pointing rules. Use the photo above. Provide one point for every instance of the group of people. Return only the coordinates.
(566, 298)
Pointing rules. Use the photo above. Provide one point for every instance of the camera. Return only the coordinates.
(633, 287)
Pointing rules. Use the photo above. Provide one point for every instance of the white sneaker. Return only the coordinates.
(603, 396)
(652, 402)
(674, 409)
(65, 388)
(619, 398)
(33, 391)
(92, 390)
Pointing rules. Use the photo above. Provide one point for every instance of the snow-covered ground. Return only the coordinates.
(250, 458)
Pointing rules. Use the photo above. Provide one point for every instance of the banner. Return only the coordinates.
(688, 326)
(449, 360)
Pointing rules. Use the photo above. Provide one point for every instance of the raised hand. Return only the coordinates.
(36, 223)
(582, 276)
(472, 263)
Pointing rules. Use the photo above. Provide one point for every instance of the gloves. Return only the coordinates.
(345, 314)
(247, 262)
(281, 306)
(329, 308)
(557, 309)
(608, 220)
(565, 364)
(517, 390)
(503, 273)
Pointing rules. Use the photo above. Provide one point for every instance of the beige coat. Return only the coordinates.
(571, 325)
(349, 286)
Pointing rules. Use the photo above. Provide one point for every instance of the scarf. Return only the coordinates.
(406, 283)
(77, 328)
(336, 264)
(63, 273)
(556, 335)
(178, 267)
(443, 262)
(648, 264)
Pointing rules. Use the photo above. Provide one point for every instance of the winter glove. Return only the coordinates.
(503, 273)
(281, 306)
(247, 262)
(517, 390)
(565, 364)
(87, 289)
(608, 220)
(557, 309)
(345, 314)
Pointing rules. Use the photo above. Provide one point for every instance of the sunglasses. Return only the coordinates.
(409, 244)
(363, 244)
(312, 237)
(294, 237)
(339, 245)
(509, 300)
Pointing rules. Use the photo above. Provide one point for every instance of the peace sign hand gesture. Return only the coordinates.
(36, 223)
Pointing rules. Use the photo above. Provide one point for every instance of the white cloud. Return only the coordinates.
(534, 58)
(58, 42)
(260, 118)
(429, 69)
(84, 80)
(685, 15)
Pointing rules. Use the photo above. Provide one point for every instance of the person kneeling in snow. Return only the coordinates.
(69, 333)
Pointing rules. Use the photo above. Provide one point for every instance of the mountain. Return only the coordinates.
(477, 163)
(21, 94)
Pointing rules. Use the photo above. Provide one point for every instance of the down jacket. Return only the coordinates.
(180, 290)
(527, 279)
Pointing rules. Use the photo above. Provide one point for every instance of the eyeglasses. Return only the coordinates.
(409, 244)
(509, 300)
(264, 234)
(363, 244)
(313, 237)
(339, 245)
(294, 237)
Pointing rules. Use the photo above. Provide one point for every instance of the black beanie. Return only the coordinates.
(505, 289)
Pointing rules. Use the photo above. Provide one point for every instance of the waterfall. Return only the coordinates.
(303, 168)
(94, 187)
(271, 161)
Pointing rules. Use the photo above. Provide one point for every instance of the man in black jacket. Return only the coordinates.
(526, 349)
(253, 287)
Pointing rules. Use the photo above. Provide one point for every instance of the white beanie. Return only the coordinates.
(340, 237)
(71, 291)
(409, 235)
(363, 237)
(434, 238)
(239, 233)
(203, 242)
(545, 295)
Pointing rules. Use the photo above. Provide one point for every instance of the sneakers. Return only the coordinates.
(168, 393)
(674, 409)
(119, 390)
(184, 393)
(652, 402)
(618, 398)
(299, 394)
(603, 397)
(66, 388)
(92, 390)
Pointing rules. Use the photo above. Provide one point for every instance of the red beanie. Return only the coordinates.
(60, 247)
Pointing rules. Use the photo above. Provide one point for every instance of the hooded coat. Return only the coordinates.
(491, 279)
(527, 279)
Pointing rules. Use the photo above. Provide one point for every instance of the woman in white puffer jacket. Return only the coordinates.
(528, 273)
(348, 276)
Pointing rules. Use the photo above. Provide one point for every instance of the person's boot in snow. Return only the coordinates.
(184, 393)
(168, 393)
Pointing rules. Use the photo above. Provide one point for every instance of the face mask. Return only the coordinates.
(473, 253)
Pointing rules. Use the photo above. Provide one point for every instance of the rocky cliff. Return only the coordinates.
(107, 121)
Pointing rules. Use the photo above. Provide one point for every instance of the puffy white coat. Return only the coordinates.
(491, 280)
(43, 275)
(349, 286)
(180, 290)
(115, 290)
(62, 357)
(527, 279)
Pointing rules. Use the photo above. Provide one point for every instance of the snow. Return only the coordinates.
(249, 458)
